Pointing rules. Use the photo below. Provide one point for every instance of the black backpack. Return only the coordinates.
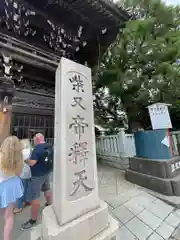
(47, 158)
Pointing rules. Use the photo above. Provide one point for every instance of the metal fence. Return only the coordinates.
(26, 125)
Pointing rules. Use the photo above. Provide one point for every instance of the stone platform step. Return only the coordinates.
(158, 168)
(167, 186)
(171, 200)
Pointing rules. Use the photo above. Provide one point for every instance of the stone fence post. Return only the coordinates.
(122, 137)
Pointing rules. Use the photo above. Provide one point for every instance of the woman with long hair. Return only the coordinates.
(11, 188)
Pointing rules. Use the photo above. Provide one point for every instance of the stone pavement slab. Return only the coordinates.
(139, 229)
(123, 214)
(124, 233)
(140, 215)
(134, 207)
(165, 230)
(173, 220)
(155, 236)
(150, 219)
(172, 200)
(153, 218)
(176, 234)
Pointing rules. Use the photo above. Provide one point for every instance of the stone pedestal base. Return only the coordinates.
(95, 225)
(162, 176)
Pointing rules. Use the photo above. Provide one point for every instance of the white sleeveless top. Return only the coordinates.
(26, 172)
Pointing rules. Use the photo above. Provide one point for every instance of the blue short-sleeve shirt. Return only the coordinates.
(38, 154)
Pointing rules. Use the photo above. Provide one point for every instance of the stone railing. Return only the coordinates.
(116, 149)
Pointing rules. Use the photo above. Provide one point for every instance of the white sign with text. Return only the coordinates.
(159, 115)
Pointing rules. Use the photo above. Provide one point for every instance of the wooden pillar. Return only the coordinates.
(5, 123)
(7, 90)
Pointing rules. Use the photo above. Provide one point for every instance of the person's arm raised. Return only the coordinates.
(33, 159)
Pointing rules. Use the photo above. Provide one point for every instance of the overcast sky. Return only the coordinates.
(167, 1)
(172, 1)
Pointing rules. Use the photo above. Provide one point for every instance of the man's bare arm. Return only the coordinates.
(31, 162)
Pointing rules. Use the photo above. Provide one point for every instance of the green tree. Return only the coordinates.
(108, 111)
(141, 66)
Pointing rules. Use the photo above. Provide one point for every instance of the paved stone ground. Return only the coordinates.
(141, 216)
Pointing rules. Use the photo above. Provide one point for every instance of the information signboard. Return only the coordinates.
(159, 115)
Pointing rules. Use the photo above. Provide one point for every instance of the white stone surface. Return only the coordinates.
(36, 233)
(177, 213)
(165, 230)
(133, 207)
(160, 209)
(155, 236)
(144, 201)
(139, 229)
(123, 214)
(173, 220)
(125, 234)
(95, 225)
(150, 219)
(118, 200)
(109, 233)
(75, 188)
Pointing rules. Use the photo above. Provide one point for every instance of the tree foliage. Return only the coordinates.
(142, 66)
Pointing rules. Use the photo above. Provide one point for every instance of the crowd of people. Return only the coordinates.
(24, 173)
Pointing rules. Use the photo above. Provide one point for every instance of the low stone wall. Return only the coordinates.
(157, 168)
(115, 161)
(158, 175)
(160, 185)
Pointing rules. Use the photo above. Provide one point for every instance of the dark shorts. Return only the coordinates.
(35, 186)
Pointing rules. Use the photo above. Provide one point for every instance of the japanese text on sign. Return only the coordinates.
(159, 114)
(175, 166)
(78, 152)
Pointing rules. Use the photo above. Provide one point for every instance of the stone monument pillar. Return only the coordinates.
(77, 212)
